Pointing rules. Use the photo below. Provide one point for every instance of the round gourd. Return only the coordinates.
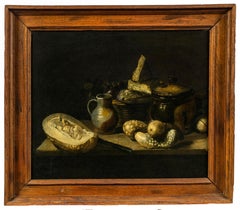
(130, 127)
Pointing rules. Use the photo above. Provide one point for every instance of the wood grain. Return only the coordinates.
(17, 108)
(20, 21)
(116, 194)
(221, 109)
(119, 21)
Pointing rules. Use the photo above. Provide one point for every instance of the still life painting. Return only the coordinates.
(119, 104)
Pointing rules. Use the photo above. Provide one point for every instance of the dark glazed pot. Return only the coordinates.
(174, 104)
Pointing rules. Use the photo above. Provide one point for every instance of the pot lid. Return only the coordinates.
(171, 89)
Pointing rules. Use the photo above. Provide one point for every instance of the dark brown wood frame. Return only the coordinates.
(22, 20)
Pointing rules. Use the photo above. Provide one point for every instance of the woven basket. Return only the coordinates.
(139, 111)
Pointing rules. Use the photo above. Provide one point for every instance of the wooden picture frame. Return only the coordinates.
(21, 21)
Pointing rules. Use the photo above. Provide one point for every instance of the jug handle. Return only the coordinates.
(90, 101)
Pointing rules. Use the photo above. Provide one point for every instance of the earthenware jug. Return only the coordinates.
(103, 116)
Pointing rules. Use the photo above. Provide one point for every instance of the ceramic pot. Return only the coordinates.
(174, 104)
(103, 116)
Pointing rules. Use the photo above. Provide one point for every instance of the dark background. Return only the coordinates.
(69, 68)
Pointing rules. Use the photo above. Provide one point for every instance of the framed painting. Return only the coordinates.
(119, 104)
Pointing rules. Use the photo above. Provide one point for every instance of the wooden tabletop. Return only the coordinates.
(120, 144)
